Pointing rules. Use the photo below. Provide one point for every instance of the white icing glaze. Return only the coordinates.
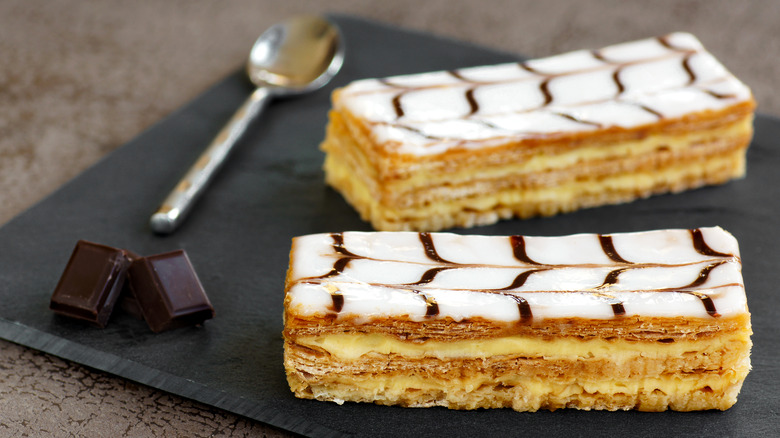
(625, 85)
(693, 273)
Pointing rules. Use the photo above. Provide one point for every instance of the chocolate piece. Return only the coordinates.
(169, 292)
(91, 283)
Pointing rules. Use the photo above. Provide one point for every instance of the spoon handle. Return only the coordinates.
(181, 199)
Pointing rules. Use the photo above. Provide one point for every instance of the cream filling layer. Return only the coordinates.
(352, 346)
(634, 184)
(532, 387)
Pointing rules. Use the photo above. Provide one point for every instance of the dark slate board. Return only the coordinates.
(271, 190)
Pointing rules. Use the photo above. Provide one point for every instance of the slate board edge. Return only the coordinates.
(65, 349)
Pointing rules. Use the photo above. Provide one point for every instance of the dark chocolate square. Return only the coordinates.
(168, 291)
(91, 283)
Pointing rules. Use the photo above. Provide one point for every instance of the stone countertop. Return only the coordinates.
(79, 78)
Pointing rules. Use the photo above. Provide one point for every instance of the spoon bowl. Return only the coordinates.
(294, 57)
(297, 56)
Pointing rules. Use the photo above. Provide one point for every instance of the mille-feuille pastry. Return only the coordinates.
(651, 321)
(468, 147)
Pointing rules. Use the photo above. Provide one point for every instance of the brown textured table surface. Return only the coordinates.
(78, 78)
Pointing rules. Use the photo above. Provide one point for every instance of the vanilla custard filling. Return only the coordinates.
(729, 166)
(671, 384)
(348, 347)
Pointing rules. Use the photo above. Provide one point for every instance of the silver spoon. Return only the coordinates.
(293, 57)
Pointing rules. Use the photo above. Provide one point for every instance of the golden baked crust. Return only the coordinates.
(628, 328)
